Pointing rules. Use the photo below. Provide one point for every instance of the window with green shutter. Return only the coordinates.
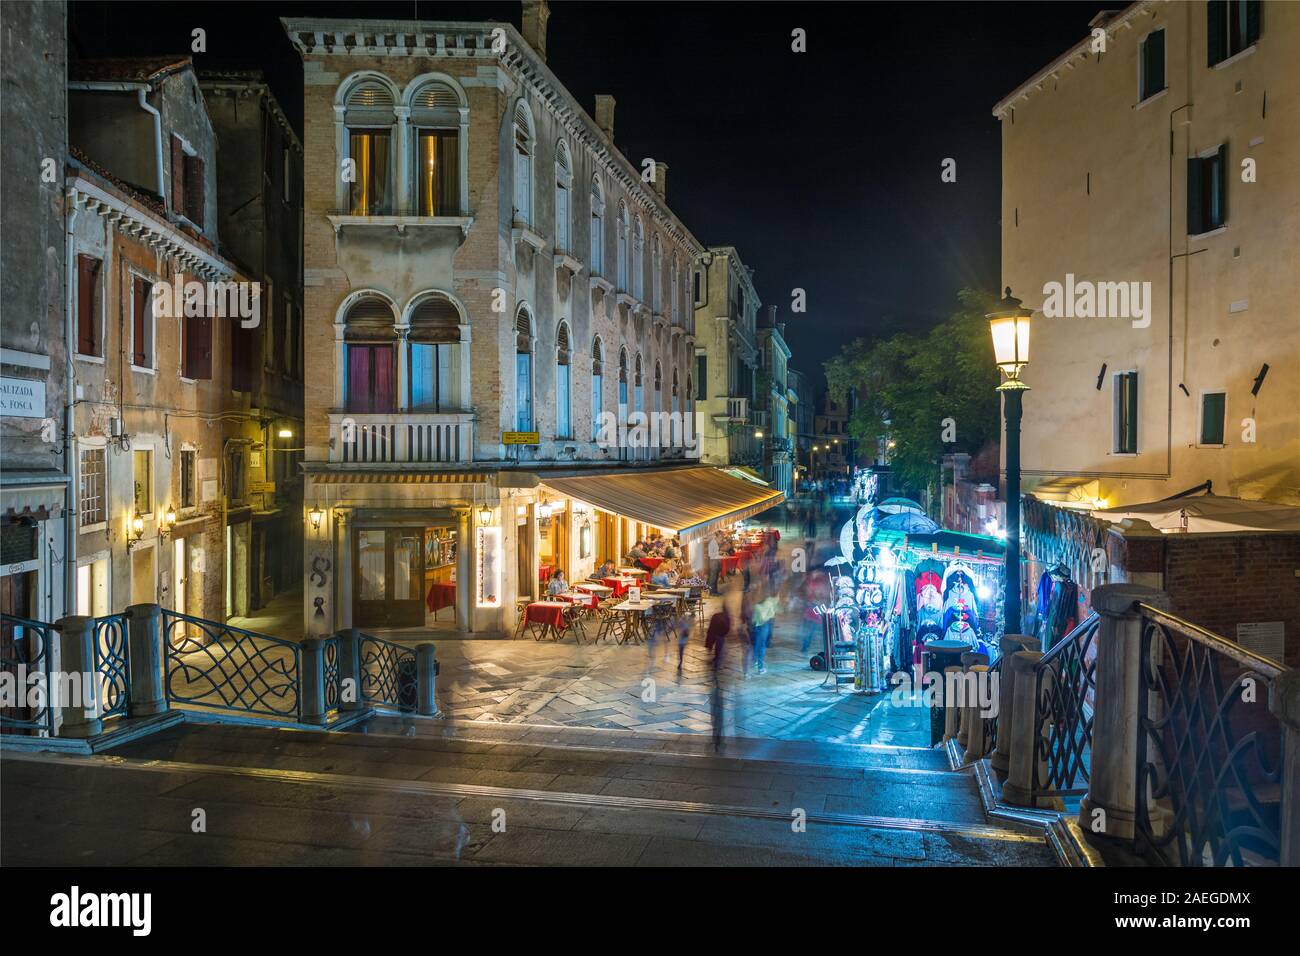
(1213, 408)
(1153, 65)
(1126, 413)
(1231, 26)
(1207, 191)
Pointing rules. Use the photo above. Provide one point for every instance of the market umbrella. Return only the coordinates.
(1209, 513)
(908, 522)
(895, 506)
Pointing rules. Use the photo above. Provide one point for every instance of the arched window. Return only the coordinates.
(563, 383)
(638, 390)
(369, 117)
(597, 386)
(523, 370)
(597, 264)
(435, 355)
(676, 407)
(673, 289)
(656, 275)
(563, 191)
(622, 246)
(638, 259)
(369, 338)
(435, 127)
(622, 381)
(524, 144)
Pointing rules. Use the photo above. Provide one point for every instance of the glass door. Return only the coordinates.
(388, 576)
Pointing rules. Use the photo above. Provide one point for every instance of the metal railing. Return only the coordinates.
(112, 664)
(400, 437)
(25, 649)
(1209, 749)
(1064, 685)
(208, 664)
(388, 673)
(991, 722)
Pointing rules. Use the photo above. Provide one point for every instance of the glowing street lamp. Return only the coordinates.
(315, 516)
(1009, 326)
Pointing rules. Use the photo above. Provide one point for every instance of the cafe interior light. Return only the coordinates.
(286, 433)
(1009, 326)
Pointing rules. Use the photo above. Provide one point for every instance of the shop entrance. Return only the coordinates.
(404, 576)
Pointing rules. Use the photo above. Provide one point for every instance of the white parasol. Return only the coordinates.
(1209, 512)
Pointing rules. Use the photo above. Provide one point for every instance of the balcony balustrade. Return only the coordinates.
(402, 437)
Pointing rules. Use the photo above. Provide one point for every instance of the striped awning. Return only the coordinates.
(682, 501)
(398, 478)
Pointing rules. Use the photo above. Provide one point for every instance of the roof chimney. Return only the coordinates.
(660, 184)
(536, 13)
(605, 114)
(771, 316)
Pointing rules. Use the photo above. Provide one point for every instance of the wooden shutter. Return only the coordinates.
(241, 357)
(1252, 21)
(1195, 210)
(139, 322)
(1216, 13)
(178, 175)
(1221, 173)
(87, 305)
(194, 197)
(198, 346)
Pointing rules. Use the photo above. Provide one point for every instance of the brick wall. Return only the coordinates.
(1219, 582)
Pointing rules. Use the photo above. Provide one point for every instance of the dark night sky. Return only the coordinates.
(822, 168)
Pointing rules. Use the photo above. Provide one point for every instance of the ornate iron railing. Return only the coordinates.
(112, 664)
(1064, 684)
(388, 673)
(227, 668)
(24, 651)
(331, 656)
(991, 723)
(1209, 781)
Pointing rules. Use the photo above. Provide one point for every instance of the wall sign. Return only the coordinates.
(22, 398)
(521, 438)
(488, 584)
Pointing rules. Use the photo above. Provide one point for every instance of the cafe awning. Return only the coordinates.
(683, 500)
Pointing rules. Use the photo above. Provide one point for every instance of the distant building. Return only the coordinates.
(833, 454)
(727, 358)
(773, 402)
(259, 188)
(804, 415)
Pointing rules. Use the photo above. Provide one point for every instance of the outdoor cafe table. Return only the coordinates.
(550, 615)
(634, 572)
(600, 590)
(731, 562)
(652, 563)
(579, 597)
(619, 585)
(440, 595)
(634, 620)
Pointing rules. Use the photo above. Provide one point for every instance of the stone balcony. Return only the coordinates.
(401, 437)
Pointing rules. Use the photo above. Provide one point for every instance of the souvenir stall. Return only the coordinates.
(901, 581)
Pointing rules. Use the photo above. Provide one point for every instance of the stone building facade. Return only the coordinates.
(35, 463)
(727, 357)
(486, 276)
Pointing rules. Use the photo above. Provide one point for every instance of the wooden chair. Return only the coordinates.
(521, 610)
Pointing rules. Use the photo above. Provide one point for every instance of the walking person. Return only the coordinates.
(715, 643)
(762, 613)
(715, 562)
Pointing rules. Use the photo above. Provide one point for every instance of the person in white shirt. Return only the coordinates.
(558, 585)
(715, 562)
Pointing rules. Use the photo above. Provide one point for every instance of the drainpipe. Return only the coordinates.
(141, 94)
(71, 460)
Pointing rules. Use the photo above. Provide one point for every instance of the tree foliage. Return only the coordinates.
(909, 385)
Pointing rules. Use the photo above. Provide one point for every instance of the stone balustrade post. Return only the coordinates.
(350, 670)
(969, 661)
(976, 738)
(311, 683)
(1284, 704)
(951, 678)
(426, 668)
(1109, 809)
(1000, 760)
(1022, 730)
(147, 660)
(74, 689)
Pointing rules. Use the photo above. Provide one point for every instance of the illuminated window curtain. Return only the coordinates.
(372, 189)
(597, 403)
(563, 421)
(371, 565)
(438, 171)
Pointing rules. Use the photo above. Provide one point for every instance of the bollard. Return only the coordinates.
(999, 760)
(74, 687)
(976, 738)
(1110, 808)
(147, 662)
(426, 668)
(311, 700)
(1017, 790)
(350, 669)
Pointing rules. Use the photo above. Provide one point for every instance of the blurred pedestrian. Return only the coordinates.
(715, 643)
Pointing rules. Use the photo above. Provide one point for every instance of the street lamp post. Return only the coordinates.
(1009, 325)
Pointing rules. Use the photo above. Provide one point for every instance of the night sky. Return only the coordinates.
(822, 167)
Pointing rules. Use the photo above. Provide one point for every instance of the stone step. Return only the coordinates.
(704, 778)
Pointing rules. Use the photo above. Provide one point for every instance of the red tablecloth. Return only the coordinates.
(542, 614)
(544, 571)
(731, 562)
(440, 596)
(617, 584)
(652, 563)
(590, 600)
